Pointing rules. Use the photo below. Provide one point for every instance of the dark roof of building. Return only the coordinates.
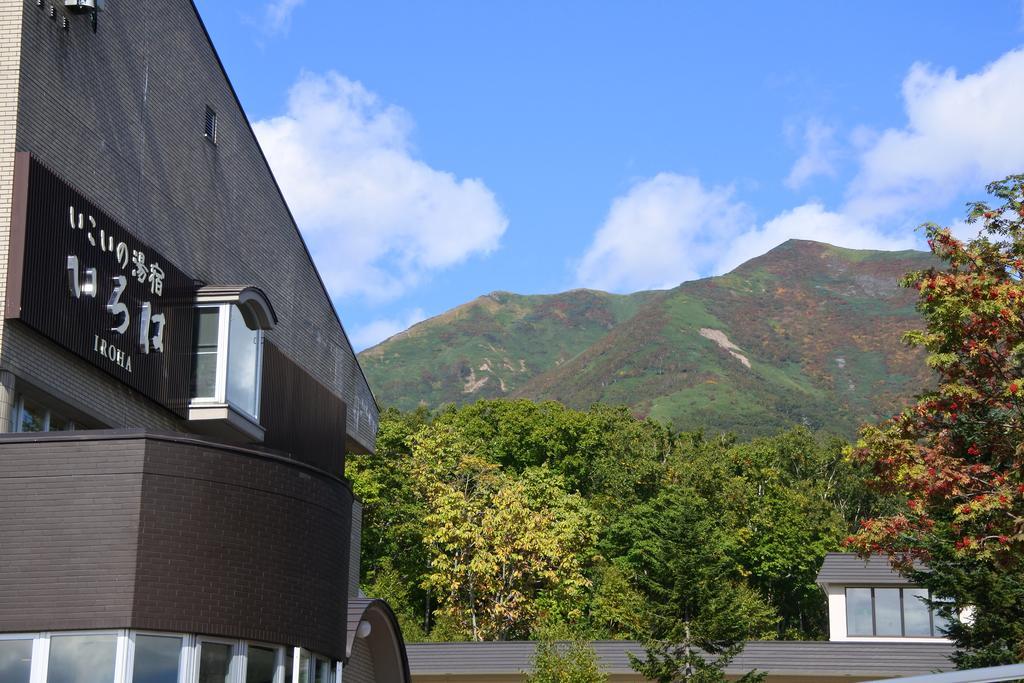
(781, 658)
(849, 569)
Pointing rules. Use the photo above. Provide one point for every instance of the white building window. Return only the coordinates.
(158, 658)
(72, 654)
(215, 659)
(228, 360)
(15, 658)
(228, 363)
(154, 657)
(891, 612)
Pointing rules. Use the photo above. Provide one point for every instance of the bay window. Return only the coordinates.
(227, 360)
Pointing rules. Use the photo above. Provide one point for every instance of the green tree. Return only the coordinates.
(575, 662)
(617, 610)
(956, 457)
(501, 547)
(686, 659)
(686, 520)
(683, 555)
(769, 508)
(393, 556)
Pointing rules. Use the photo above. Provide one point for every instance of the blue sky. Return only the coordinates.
(436, 151)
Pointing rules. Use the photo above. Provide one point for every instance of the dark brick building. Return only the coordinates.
(177, 393)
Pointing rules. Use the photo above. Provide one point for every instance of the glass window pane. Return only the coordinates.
(323, 671)
(289, 664)
(15, 661)
(33, 417)
(303, 667)
(82, 659)
(59, 424)
(243, 364)
(204, 383)
(916, 621)
(858, 612)
(207, 327)
(214, 662)
(887, 612)
(261, 665)
(156, 659)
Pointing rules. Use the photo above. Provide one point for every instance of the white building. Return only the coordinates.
(869, 602)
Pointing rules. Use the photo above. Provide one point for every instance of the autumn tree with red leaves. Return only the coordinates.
(955, 459)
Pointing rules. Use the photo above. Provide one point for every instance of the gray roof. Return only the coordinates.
(847, 569)
(794, 658)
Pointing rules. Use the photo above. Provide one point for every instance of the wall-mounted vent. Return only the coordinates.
(92, 7)
(210, 129)
(85, 5)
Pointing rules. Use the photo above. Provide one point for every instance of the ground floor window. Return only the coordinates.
(157, 658)
(82, 658)
(15, 659)
(138, 657)
(30, 415)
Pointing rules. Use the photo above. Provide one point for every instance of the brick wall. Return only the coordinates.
(355, 549)
(69, 535)
(171, 534)
(10, 61)
(120, 115)
(360, 666)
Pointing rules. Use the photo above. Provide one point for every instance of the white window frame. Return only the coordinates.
(297, 653)
(221, 372)
(41, 652)
(220, 389)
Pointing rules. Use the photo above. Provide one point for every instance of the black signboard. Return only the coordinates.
(87, 283)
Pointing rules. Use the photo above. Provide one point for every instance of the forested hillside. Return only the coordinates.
(806, 334)
(509, 519)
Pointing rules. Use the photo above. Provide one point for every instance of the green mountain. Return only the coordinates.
(807, 333)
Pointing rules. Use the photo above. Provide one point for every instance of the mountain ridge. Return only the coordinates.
(805, 333)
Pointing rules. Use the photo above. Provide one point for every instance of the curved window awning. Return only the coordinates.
(251, 301)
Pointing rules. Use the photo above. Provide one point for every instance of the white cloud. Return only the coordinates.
(809, 222)
(961, 133)
(277, 15)
(670, 229)
(377, 220)
(664, 230)
(819, 157)
(377, 331)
